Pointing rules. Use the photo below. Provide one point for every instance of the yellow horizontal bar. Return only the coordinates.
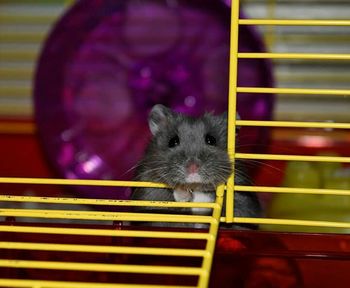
(26, 19)
(294, 22)
(98, 267)
(104, 249)
(265, 189)
(22, 37)
(294, 124)
(293, 157)
(291, 222)
(17, 128)
(54, 181)
(60, 284)
(18, 55)
(293, 91)
(109, 202)
(15, 91)
(105, 232)
(105, 216)
(9, 73)
(316, 56)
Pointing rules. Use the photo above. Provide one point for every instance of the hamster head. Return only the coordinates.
(187, 152)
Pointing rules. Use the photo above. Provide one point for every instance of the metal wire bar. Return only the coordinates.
(266, 189)
(109, 202)
(103, 249)
(294, 124)
(98, 267)
(294, 22)
(232, 99)
(105, 232)
(60, 284)
(293, 157)
(210, 246)
(342, 92)
(80, 182)
(105, 216)
(314, 56)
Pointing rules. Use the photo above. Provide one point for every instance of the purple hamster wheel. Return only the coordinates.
(106, 63)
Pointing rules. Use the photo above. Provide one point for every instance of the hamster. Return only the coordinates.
(190, 156)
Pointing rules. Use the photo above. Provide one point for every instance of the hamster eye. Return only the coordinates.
(175, 141)
(210, 140)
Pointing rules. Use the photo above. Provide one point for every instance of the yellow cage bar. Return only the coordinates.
(232, 100)
(61, 284)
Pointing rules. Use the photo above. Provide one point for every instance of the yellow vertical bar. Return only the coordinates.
(203, 280)
(232, 97)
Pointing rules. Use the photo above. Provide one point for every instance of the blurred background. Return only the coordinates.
(25, 26)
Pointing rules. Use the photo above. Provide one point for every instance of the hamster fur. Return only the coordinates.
(189, 155)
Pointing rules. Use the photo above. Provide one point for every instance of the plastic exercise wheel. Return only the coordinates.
(106, 63)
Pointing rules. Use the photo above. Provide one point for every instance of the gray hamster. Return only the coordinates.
(189, 155)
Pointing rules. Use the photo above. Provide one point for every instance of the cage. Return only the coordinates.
(97, 249)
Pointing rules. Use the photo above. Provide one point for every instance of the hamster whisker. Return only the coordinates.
(258, 163)
(242, 178)
(132, 168)
(223, 169)
(140, 164)
(146, 173)
(250, 145)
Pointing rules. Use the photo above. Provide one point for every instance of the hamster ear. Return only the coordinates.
(159, 117)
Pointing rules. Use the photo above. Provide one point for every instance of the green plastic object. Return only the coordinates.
(319, 207)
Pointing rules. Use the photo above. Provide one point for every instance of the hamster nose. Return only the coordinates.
(192, 168)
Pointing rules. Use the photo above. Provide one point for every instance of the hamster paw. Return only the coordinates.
(182, 195)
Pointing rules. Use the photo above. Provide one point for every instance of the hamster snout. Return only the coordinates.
(192, 173)
(192, 168)
(210, 169)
